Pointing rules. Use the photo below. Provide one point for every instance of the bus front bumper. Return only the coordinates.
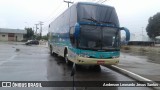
(95, 61)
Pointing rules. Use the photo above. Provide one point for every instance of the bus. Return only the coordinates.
(87, 34)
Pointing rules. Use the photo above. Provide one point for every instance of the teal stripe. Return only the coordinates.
(96, 54)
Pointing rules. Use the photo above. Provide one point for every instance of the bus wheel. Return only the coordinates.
(66, 58)
(96, 68)
(51, 53)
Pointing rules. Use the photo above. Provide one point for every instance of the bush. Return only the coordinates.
(143, 50)
(126, 48)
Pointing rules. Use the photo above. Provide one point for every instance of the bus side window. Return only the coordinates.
(71, 35)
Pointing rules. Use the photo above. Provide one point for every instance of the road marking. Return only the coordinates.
(129, 72)
(9, 59)
(133, 75)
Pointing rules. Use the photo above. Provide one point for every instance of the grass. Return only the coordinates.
(143, 50)
(125, 47)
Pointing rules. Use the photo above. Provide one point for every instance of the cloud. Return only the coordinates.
(3, 23)
(132, 14)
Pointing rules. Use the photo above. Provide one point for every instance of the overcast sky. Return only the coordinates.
(132, 14)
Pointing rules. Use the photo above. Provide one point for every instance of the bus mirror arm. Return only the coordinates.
(127, 33)
(77, 30)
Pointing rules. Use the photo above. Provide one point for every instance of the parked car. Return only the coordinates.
(32, 42)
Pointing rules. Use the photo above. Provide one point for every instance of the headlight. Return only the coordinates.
(83, 55)
(115, 56)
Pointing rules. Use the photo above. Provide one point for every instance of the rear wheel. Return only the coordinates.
(51, 52)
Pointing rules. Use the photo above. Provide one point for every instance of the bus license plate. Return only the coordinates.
(100, 62)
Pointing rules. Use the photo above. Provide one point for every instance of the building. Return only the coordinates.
(140, 39)
(11, 34)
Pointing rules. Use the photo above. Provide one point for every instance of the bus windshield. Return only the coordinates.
(99, 38)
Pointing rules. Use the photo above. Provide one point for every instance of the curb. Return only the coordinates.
(134, 76)
(142, 52)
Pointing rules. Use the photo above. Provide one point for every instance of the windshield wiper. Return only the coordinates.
(91, 19)
(108, 23)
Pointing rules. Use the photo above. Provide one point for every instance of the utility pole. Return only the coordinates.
(142, 37)
(33, 30)
(68, 2)
(36, 28)
(40, 23)
(142, 33)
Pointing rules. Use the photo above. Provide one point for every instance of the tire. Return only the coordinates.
(51, 53)
(96, 68)
(79, 67)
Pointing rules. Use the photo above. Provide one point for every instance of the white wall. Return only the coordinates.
(5, 38)
(139, 37)
(19, 37)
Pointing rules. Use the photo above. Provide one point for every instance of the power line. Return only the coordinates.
(103, 1)
(48, 19)
(98, 1)
(57, 9)
(55, 15)
(53, 12)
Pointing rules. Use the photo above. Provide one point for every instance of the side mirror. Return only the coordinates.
(77, 30)
(127, 33)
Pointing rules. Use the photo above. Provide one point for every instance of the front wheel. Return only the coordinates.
(96, 68)
(51, 53)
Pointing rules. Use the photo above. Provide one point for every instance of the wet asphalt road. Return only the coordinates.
(34, 63)
(144, 64)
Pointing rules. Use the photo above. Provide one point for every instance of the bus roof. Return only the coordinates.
(84, 12)
(91, 3)
(98, 12)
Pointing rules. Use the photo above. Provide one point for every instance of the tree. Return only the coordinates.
(38, 37)
(153, 27)
(45, 37)
(30, 34)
